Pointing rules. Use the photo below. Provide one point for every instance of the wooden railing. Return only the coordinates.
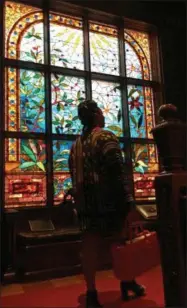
(171, 188)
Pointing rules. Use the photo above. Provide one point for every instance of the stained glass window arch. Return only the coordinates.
(141, 58)
(41, 121)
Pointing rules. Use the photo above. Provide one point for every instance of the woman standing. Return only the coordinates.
(101, 193)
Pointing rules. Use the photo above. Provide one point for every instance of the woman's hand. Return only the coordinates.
(133, 217)
(75, 212)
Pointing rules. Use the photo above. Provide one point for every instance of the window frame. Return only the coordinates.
(87, 15)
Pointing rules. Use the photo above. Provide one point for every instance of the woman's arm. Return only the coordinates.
(113, 169)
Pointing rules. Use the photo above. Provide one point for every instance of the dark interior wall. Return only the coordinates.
(170, 19)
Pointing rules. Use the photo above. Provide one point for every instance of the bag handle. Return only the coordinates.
(135, 226)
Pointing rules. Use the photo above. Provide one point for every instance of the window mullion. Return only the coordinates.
(49, 148)
(87, 57)
(123, 82)
(124, 96)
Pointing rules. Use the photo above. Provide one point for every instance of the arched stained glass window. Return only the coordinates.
(137, 49)
(85, 59)
(24, 38)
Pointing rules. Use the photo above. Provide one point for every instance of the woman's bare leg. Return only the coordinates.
(90, 249)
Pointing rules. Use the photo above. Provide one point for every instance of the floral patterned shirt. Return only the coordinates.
(100, 184)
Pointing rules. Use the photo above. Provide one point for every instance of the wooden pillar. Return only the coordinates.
(171, 187)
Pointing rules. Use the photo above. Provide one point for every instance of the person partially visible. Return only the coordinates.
(101, 192)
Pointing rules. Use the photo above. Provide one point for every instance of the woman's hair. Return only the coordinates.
(87, 112)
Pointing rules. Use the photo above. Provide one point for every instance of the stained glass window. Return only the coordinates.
(145, 166)
(141, 114)
(62, 180)
(67, 93)
(25, 101)
(25, 169)
(137, 53)
(108, 97)
(66, 43)
(104, 49)
(24, 32)
(86, 59)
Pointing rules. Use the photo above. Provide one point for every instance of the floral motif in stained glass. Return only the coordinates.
(62, 179)
(25, 101)
(108, 97)
(62, 183)
(145, 166)
(61, 151)
(25, 180)
(141, 112)
(67, 93)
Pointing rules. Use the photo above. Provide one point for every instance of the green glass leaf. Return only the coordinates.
(139, 152)
(55, 122)
(41, 165)
(65, 60)
(75, 118)
(77, 41)
(61, 79)
(35, 102)
(29, 152)
(95, 48)
(132, 91)
(104, 40)
(37, 36)
(117, 88)
(115, 128)
(133, 120)
(70, 38)
(68, 125)
(64, 97)
(78, 94)
(58, 107)
(29, 35)
(57, 50)
(32, 115)
(64, 152)
(36, 91)
(27, 164)
(140, 121)
(37, 76)
(40, 120)
(33, 30)
(81, 99)
(140, 169)
(24, 75)
(69, 101)
(28, 54)
(22, 83)
(60, 160)
(64, 85)
(141, 163)
(33, 54)
(99, 43)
